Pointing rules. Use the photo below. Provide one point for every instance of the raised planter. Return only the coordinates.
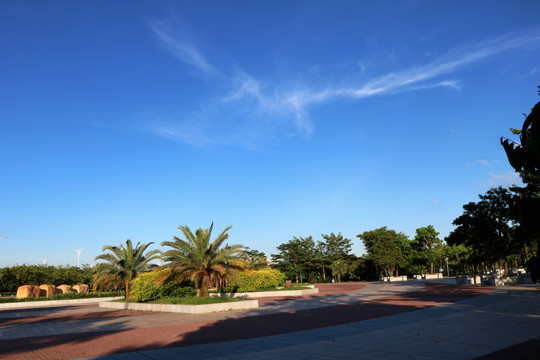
(432, 276)
(48, 303)
(393, 278)
(181, 308)
(468, 280)
(268, 293)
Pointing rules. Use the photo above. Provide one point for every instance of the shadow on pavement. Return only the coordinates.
(528, 350)
(282, 323)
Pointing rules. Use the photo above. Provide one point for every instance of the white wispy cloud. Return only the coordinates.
(263, 106)
(178, 45)
(509, 178)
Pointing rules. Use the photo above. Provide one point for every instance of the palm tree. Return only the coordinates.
(197, 259)
(339, 268)
(123, 263)
(254, 259)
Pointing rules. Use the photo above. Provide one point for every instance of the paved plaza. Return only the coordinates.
(410, 320)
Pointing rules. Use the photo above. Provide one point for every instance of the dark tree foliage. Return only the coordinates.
(524, 157)
(254, 259)
(486, 227)
(364, 269)
(427, 247)
(297, 258)
(388, 249)
(335, 249)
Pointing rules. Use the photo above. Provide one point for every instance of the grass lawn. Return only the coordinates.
(193, 300)
(187, 300)
(294, 287)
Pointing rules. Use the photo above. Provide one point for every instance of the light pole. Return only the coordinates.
(447, 270)
(78, 251)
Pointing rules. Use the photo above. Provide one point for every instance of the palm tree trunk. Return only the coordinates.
(203, 286)
(127, 289)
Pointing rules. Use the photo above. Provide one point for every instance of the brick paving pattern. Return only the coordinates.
(89, 331)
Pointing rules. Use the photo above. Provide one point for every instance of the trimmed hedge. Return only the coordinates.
(143, 288)
(172, 289)
(248, 281)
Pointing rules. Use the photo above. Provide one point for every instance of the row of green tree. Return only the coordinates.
(502, 228)
(13, 277)
(388, 253)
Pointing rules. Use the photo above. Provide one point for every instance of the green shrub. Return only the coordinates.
(260, 279)
(194, 300)
(143, 287)
(173, 289)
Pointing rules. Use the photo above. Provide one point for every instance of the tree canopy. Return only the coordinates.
(427, 245)
(524, 157)
(387, 248)
(297, 256)
(198, 259)
(123, 263)
(487, 227)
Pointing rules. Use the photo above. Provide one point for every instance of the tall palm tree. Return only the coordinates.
(123, 263)
(339, 268)
(196, 258)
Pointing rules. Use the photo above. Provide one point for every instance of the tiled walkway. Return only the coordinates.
(346, 321)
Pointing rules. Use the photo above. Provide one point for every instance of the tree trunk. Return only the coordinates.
(127, 289)
(505, 267)
(203, 287)
(432, 272)
(537, 256)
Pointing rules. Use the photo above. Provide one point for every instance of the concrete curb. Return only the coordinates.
(180, 308)
(268, 293)
(48, 303)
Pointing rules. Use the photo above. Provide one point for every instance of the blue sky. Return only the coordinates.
(127, 119)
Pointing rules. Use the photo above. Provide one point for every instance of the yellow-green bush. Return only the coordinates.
(259, 279)
(143, 287)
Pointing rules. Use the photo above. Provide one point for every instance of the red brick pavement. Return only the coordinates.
(110, 342)
(324, 290)
(107, 314)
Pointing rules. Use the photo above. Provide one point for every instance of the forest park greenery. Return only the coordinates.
(13, 277)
